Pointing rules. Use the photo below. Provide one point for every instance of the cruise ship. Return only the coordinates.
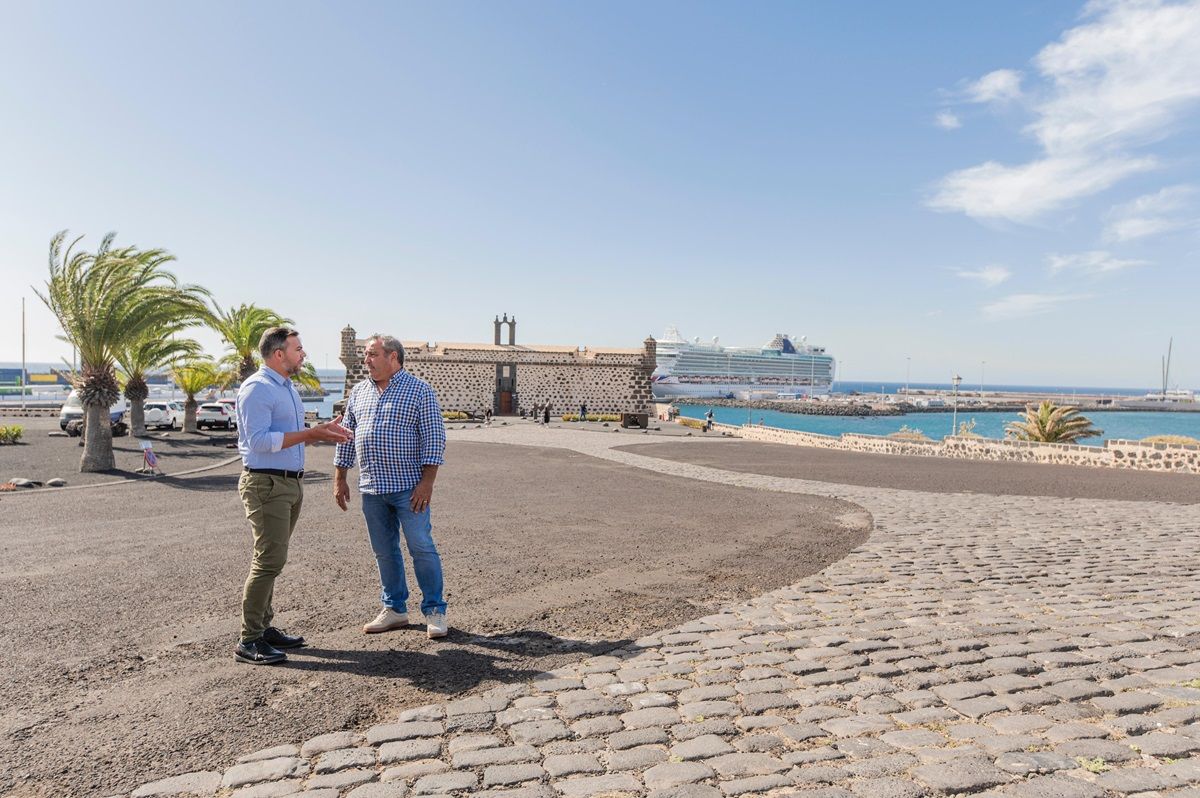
(781, 368)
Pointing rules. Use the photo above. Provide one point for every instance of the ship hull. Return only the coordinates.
(663, 391)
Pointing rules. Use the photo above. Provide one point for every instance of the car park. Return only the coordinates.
(230, 403)
(72, 410)
(164, 414)
(215, 415)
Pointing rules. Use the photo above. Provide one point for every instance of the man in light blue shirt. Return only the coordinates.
(271, 438)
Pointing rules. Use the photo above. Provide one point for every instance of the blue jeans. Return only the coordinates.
(387, 514)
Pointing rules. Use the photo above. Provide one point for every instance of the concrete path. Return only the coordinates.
(999, 646)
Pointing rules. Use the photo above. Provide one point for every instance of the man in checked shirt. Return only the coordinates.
(399, 440)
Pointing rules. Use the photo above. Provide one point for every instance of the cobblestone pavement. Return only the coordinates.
(996, 646)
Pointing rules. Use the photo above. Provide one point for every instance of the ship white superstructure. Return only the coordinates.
(781, 367)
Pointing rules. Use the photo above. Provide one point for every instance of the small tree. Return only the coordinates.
(1051, 423)
(192, 377)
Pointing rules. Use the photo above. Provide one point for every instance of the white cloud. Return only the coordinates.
(1094, 263)
(947, 121)
(1151, 214)
(1002, 85)
(1019, 305)
(991, 276)
(1120, 80)
(1023, 193)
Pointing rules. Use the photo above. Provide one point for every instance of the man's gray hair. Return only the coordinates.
(389, 345)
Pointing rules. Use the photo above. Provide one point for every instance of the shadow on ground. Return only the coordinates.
(451, 670)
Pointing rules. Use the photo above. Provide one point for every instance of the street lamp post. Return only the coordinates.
(907, 374)
(955, 381)
(982, 366)
(24, 371)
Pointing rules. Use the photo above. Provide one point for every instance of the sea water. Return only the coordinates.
(1125, 425)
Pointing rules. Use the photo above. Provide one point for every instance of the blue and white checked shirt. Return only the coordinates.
(396, 433)
(267, 407)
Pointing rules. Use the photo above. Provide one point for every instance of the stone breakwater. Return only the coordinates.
(975, 644)
(1163, 457)
(802, 408)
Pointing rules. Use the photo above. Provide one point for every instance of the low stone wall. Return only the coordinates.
(15, 411)
(1164, 457)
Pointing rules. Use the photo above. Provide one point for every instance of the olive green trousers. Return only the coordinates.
(272, 506)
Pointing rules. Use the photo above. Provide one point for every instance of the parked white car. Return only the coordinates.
(215, 415)
(72, 410)
(164, 414)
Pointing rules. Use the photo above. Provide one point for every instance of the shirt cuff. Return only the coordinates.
(276, 441)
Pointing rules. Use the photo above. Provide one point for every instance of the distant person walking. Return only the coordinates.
(546, 413)
(271, 438)
(583, 411)
(399, 442)
(708, 420)
(487, 416)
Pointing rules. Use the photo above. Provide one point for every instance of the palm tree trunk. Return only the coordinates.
(97, 440)
(137, 417)
(247, 369)
(189, 415)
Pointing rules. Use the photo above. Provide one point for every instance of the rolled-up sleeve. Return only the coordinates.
(432, 430)
(344, 454)
(255, 411)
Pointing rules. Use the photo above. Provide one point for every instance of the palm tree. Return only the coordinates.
(1051, 423)
(152, 351)
(241, 328)
(103, 301)
(192, 377)
(307, 378)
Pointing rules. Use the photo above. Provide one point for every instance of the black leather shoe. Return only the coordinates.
(258, 652)
(280, 640)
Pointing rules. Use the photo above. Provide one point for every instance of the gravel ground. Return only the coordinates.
(121, 602)
(39, 456)
(934, 474)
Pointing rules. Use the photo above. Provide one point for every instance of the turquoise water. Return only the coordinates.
(1132, 425)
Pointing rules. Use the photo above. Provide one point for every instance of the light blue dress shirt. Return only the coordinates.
(268, 405)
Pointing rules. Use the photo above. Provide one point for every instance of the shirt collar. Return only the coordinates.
(391, 381)
(273, 375)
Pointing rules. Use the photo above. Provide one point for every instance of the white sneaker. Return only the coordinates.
(435, 625)
(387, 620)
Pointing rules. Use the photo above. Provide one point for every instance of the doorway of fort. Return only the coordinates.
(505, 403)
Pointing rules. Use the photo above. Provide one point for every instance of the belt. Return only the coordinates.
(276, 472)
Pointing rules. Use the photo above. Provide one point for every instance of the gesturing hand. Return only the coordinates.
(331, 432)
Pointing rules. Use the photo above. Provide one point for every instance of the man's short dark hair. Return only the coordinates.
(275, 340)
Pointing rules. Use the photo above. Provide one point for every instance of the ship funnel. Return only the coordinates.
(715, 339)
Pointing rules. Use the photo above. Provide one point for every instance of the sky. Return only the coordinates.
(1009, 189)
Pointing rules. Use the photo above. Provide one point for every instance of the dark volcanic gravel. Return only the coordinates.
(120, 603)
(933, 474)
(41, 457)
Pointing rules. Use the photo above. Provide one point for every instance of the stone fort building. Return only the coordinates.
(509, 377)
